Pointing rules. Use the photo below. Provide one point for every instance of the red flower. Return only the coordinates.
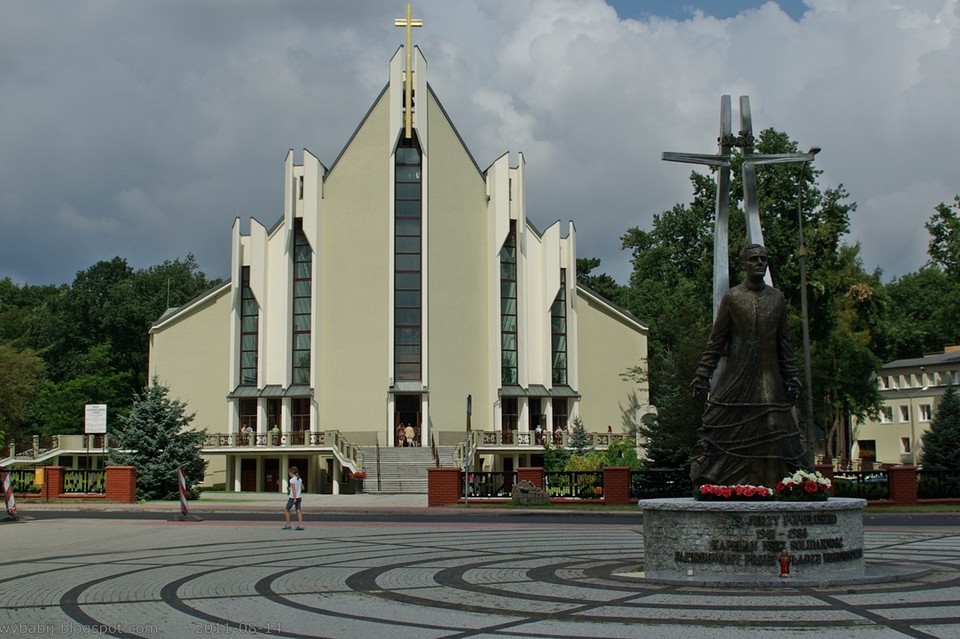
(810, 486)
(779, 486)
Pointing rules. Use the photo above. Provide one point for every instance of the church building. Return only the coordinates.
(402, 290)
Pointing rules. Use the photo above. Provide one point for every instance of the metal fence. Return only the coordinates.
(675, 482)
(84, 481)
(490, 484)
(579, 484)
(866, 484)
(660, 482)
(22, 480)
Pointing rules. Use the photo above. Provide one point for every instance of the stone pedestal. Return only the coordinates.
(714, 542)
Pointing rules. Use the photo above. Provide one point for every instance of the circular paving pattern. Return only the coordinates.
(149, 579)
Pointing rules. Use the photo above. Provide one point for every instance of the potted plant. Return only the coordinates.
(357, 478)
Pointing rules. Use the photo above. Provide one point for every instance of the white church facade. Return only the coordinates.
(399, 281)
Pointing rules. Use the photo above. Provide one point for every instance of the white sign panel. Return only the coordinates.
(95, 419)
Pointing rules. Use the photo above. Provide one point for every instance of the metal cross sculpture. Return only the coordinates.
(744, 140)
(408, 22)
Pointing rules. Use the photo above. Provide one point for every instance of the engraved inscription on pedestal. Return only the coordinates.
(686, 538)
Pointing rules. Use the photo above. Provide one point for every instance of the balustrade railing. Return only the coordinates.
(349, 453)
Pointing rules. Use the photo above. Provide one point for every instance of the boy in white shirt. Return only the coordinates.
(296, 490)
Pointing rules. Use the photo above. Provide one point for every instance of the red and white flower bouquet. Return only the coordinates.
(738, 492)
(803, 485)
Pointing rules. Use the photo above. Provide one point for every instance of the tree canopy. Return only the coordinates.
(852, 316)
(83, 343)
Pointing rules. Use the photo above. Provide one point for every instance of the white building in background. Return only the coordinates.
(911, 391)
(397, 282)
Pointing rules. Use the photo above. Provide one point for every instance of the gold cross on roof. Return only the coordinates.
(408, 23)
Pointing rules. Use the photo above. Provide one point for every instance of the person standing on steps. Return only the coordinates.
(293, 501)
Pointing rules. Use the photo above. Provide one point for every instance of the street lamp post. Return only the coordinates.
(802, 254)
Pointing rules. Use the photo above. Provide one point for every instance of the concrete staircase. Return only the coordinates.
(402, 470)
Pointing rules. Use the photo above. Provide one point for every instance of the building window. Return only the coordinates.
(510, 418)
(273, 412)
(302, 302)
(509, 373)
(886, 414)
(905, 446)
(249, 330)
(558, 331)
(926, 412)
(248, 414)
(868, 450)
(560, 414)
(408, 277)
(299, 419)
(904, 413)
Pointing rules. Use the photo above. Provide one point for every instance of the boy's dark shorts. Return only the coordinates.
(293, 503)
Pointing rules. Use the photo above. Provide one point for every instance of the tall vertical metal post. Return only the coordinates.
(804, 313)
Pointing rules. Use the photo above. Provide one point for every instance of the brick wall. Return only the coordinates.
(533, 475)
(52, 482)
(827, 471)
(121, 484)
(443, 486)
(903, 485)
(616, 485)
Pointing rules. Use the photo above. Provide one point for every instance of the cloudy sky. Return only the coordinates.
(142, 129)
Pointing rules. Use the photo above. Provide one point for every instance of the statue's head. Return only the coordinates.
(753, 259)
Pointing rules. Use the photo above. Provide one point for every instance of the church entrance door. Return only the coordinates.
(406, 419)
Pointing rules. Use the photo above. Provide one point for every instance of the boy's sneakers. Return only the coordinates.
(299, 528)
(287, 527)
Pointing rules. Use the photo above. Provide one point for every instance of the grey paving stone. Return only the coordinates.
(461, 580)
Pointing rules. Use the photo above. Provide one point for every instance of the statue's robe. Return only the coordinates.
(749, 433)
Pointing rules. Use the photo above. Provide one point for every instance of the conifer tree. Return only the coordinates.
(580, 440)
(156, 438)
(940, 450)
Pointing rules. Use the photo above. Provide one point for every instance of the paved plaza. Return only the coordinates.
(450, 578)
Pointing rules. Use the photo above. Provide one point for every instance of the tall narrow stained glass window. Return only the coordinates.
(508, 308)
(302, 298)
(249, 330)
(407, 282)
(558, 332)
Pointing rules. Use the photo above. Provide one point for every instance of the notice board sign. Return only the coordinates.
(95, 419)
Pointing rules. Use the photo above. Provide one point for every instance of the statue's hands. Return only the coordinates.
(699, 385)
(793, 389)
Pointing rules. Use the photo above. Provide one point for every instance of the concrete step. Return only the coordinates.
(402, 470)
